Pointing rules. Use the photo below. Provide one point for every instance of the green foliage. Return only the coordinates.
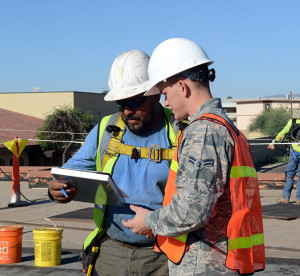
(280, 159)
(86, 119)
(271, 121)
(67, 121)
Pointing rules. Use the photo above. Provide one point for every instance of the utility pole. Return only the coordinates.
(291, 99)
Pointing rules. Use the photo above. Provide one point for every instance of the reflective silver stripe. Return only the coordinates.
(99, 206)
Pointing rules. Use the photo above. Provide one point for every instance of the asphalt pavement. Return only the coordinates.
(39, 214)
(282, 237)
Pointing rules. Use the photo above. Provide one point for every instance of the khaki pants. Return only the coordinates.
(115, 259)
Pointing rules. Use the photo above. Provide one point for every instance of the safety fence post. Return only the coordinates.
(15, 187)
(15, 200)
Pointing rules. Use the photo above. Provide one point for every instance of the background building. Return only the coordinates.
(23, 113)
(40, 104)
(242, 111)
(26, 111)
(249, 109)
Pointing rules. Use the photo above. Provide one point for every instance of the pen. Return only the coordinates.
(64, 192)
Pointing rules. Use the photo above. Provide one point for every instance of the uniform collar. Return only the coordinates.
(206, 108)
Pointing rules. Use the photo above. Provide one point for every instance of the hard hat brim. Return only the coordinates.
(115, 95)
(152, 91)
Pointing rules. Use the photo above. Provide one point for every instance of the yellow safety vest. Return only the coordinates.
(109, 151)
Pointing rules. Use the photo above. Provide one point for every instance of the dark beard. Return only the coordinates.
(145, 126)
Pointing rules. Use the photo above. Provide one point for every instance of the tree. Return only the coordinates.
(64, 124)
(271, 121)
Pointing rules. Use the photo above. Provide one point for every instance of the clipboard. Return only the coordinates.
(89, 183)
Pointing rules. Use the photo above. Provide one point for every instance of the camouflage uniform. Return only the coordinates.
(201, 206)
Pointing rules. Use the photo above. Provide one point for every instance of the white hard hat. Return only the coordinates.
(128, 76)
(172, 57)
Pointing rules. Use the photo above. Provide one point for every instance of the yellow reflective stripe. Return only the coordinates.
(242, 171)
(110, 164)
(174, 165)
(90, 237)
(98, 216)
(172, 135)
(246, 242)
(102, 127)
(182, 238)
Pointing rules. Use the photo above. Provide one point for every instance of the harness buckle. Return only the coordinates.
(155, 153)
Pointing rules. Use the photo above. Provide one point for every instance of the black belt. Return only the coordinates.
(130, 245)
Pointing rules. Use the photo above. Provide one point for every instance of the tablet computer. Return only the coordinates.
(89, 183)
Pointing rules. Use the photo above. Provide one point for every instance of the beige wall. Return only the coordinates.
(40, 104)
(288, 105)
(36, 104)
(245, 112)
(249, 108)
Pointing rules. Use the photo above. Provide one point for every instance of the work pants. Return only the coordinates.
(291, 171)
(119, 260)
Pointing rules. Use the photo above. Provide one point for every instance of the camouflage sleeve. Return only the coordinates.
(204, 162)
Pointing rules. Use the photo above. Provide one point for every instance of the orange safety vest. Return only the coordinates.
(245, 238)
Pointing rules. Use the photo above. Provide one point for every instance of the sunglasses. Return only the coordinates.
(133, 103)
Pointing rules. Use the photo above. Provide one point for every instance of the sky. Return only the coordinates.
(70, 45)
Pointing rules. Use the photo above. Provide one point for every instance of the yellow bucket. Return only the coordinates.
(47, 246)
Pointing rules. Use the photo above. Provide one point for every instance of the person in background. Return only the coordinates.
(211, 219)
(292, 129)
(135, 146)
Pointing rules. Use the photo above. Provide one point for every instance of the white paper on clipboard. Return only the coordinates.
(87, 184)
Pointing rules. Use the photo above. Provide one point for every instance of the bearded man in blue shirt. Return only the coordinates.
(147, 133)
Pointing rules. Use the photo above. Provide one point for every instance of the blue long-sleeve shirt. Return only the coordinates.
(143, 181)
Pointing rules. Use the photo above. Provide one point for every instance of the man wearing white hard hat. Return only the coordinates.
(211, 220)
(135, 146)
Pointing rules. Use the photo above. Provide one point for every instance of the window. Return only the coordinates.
(267, 106)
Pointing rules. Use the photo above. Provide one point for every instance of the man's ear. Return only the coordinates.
(184, 89)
